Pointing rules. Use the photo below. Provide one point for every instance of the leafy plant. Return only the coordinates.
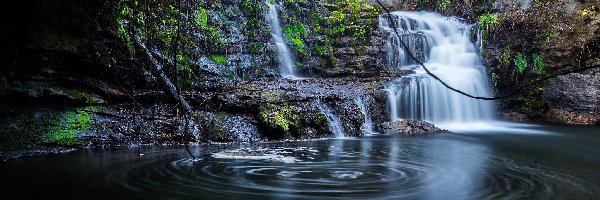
(294, 34)
(443, 5)
(319, 50)
(201, 18)
(520, 62)
(487, 22)
(538, 63)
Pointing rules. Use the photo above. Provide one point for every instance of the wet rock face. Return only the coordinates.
(577, 92)
(547, 46)
(574, 98)
(409, 127)
(224, 127)
(289, 109)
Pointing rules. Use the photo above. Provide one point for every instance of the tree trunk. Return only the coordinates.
(157, 71)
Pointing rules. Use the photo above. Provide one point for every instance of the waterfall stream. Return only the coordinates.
(444, 45)
(335, 125)
(367, 126)
(287, 68)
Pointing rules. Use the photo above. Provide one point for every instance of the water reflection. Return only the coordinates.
(377, 167)
(461, 169)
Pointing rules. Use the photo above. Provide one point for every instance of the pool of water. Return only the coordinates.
(528, 162)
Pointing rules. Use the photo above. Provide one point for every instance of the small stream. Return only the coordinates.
(557, 162)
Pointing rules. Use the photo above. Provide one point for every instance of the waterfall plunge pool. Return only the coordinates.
(562, 163)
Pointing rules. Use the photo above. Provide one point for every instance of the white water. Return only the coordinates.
(287, 68)
(444, 45)
(335, 126)
(367, 126)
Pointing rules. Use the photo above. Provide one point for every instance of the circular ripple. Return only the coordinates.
(388, 172)
(509, 179)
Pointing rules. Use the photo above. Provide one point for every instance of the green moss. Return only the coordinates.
(200, 18)
(336, 17)
(293, 1)
(65, 127)
(321, 122)
(319, 50)
(360, 34)
(332, 60)
(352, 19)
(280, 118)
(219, 60)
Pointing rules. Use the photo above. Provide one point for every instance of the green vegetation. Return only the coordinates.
(67, 125)
(590, 12)
(538, 64)
(255, 48)
(487, 22)
(353, 18)
(219, 60)
(335, 18)
(294, 33)
(520, 63)
(321, 122)
(443, 5)
(201, 19)
(505, 55)
(282, 118)
(319, 50)
(332, 60)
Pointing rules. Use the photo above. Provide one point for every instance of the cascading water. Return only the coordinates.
(367, 126)
(335, 126)
(443, 44)
(287, 67)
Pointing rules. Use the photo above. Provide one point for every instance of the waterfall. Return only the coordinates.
(367, 126)
(287, 68)
(444, 45)
(335, 125)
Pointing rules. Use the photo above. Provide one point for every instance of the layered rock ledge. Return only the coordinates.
(409, 127)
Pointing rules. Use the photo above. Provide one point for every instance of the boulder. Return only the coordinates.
(574, 98)
(575, 92)
(409, 127)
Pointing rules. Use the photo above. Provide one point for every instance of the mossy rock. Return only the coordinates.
(321, 123)
(280, 121)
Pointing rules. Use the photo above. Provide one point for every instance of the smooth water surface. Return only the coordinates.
(559, 163)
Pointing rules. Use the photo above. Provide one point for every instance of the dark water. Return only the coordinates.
(556, 162)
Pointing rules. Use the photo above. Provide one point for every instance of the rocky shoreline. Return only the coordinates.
(228, 112)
